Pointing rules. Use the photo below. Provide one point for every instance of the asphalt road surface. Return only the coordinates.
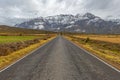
(59, 60)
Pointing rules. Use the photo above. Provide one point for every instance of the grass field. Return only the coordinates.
(8, 30)
(7, 60)
(17, 42)
(107, 47)
(9, 44)
(9, 39)
(107, 38)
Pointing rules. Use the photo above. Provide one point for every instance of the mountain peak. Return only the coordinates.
(89, 15)
(87, 23)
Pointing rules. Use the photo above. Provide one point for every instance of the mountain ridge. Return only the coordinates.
(86, 23)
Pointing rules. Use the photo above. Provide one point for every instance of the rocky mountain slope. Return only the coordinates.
(87, 23)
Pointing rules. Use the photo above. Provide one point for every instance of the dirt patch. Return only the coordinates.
(6, 49)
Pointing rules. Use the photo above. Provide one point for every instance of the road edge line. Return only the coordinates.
(25, 56)
(114, 68)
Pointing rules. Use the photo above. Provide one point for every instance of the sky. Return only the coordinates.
(11, 9)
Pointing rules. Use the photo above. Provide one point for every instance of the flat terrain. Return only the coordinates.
(9, 39)
(59, 60)
(106, 38)
(9, 30)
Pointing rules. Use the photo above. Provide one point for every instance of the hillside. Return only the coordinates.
(14, 30)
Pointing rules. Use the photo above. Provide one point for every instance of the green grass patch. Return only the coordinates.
(9, 39)
(8, 59)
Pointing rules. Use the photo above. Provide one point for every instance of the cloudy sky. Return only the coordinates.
(34, 8)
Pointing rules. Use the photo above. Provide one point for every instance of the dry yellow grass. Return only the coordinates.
(106, 38)
(109, 56)
(7, 60)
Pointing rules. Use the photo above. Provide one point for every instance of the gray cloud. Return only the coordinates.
(34, 8)
(103, 8)
(98, 4)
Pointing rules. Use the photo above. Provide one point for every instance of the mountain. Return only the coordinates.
(87, 23)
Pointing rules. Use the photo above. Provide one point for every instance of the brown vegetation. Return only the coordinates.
(106, 50)
(6, 49)
(15, 51)
(106, 38)
(7, 31)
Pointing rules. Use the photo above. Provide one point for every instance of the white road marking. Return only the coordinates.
(24, 57)
(72, 43)
(97, 58)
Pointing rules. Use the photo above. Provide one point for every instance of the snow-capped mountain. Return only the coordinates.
(117, 21)
(86, 23)
(113, 19)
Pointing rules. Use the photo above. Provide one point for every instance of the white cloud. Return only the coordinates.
(34, 8)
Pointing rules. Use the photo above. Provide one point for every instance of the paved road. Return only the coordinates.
(59, 60)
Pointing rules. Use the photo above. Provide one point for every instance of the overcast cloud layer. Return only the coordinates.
(34, 8)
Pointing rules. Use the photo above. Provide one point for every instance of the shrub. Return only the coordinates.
(6, 49)
(87, 40)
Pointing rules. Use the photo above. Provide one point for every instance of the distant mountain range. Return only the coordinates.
(87, 23)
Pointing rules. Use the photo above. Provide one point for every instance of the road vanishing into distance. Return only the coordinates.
(59, 59)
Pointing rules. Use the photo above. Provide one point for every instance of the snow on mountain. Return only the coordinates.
(117, 21)
(39, 27)
(68, 26)
(64, 19)
(113, 19)
(86, 23)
